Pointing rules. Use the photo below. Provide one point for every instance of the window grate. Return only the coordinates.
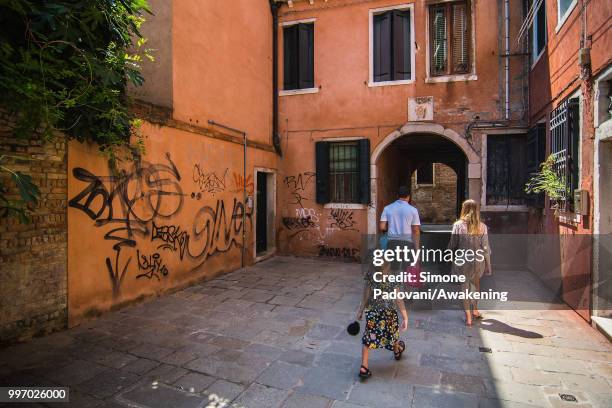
(564, 133)
(344, 172)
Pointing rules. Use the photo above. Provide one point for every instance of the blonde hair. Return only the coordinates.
(470, 214)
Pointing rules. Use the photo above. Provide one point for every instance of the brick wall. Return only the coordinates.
(33, 269)
(437, 203)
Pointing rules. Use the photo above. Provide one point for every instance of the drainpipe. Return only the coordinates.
(244, 192)
(507, 64)
(274, 6)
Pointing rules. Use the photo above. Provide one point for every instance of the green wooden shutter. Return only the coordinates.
(322, 172)
(306, 56)
(401, 45)
(438, 40)
(382, 47)
(364, 171)
(290, 57)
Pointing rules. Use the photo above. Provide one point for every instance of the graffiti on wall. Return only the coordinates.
(240, 183)
(171, 236)
(208, 181)
(150, 266)
(133, 207)
(342, 219)
(297, 186)
(346, 253)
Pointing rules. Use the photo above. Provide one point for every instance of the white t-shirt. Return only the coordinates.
(400, 217)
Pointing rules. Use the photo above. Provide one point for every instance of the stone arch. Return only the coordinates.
(473, 158)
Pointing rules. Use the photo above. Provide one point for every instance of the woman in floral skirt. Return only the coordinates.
(382, 326)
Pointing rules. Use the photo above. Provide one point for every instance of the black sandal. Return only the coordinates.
(366, 374)
(398, 354)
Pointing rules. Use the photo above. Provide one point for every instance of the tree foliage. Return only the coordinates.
(65, 66)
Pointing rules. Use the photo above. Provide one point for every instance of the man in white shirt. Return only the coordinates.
(401, 222)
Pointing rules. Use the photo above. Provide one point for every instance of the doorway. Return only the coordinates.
(265, 192)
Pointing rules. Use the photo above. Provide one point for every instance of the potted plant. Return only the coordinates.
(548, 181)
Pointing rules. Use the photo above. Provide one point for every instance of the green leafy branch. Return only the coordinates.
(547, 181)
(28, 192)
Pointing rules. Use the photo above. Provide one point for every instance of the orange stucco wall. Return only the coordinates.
(169, 219)
(222, 65)
(175, 215)
(345, 106)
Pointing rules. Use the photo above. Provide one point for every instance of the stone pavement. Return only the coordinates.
(274, 336)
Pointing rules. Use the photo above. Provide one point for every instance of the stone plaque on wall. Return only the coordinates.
(420, 108)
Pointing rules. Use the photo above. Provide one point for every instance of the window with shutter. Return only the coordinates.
(449, 38)
(343, 172)
(506, 175)
(392, 46)
(298, 49)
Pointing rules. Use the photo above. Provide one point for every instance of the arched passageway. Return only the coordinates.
(448, 165)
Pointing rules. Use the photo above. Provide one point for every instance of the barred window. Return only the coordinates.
(344, 172)
(565, 136)
(449, 36)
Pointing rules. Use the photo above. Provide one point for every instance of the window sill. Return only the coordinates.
(346, 206)
(451, 78)
(564, 18)
(298, 91)
(373, 84)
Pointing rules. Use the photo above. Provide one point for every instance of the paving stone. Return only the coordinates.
(496, 403)
(378, 392)
(76, 373)
(327, 382)
(151, 351)
(306, 401)
(116, 359)
(412, 374)
(140, 366)
(238, 373)
(225, 389)
(258, 395)
(452, 382)
(286, 300)
(299, 357)
(454, 365)
(510, 391)
(179, 358)
(535, 377)
(433, 398)
(205, 365)
(323, 332)
(194, 381)
(263, 350)
(161, 396)
(258, 295)
(561, 365)
(108, 383)
(282, 375)
(229, 343)
(166, 373)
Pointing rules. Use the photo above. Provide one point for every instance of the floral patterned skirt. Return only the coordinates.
(382, 329)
